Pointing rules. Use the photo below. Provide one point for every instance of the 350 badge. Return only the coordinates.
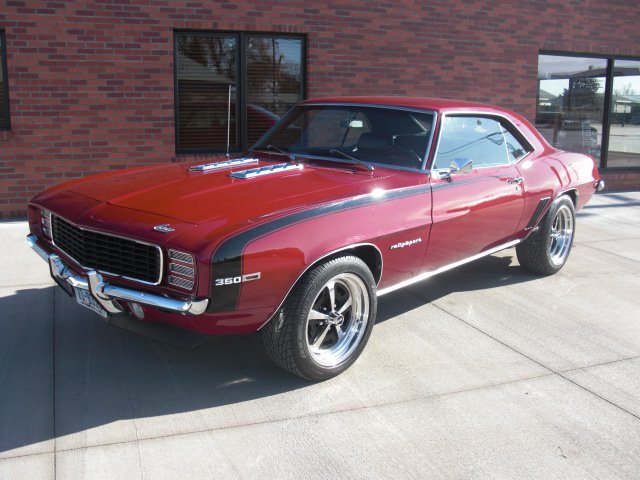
(249, 277)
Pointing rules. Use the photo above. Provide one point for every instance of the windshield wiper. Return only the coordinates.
(278, 150)
(351, 157)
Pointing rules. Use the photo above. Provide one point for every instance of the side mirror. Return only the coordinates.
(457, 165)
(461, 165)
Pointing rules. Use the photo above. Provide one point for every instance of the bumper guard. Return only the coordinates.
(108, 295)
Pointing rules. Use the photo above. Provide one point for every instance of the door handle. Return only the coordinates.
(516, 180)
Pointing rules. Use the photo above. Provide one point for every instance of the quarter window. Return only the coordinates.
(479, 139)
(515, 149)
(4, 88)
(232, 87)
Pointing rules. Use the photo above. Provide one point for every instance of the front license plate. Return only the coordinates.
(84, 298)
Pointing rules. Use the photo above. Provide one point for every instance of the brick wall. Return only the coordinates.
(91, 83)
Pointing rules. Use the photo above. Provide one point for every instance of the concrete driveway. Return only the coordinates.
(483, 372)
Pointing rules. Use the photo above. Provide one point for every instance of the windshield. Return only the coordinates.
(375, 135)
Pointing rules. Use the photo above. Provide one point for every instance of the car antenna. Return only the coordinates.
(228, 119)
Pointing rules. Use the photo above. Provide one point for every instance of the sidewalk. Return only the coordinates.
(484, 371)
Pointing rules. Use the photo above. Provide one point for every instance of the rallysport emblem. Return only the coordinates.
(405, 244)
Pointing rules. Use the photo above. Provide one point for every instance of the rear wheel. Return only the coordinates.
(546, 250)
(325, 322)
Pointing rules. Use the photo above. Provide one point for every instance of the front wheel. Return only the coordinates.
(325, 322)
(546, 250)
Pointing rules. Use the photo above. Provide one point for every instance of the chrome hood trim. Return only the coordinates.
(267, 170)
(205, 167)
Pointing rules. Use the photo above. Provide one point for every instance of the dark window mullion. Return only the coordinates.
(606, 120)
(198, 98)
(242, 82)
(5, 117)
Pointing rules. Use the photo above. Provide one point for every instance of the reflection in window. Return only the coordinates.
(476, 138)
(206, 73)
(624, 127)
(571, 102)
(515, 149)
(209, 91)
(274, 81)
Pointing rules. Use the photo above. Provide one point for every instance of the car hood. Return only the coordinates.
(197, 197)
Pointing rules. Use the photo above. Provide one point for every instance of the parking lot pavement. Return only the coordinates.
(485, 371)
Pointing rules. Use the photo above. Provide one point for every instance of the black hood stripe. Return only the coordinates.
(226, 261)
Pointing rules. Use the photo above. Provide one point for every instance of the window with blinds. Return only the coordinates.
(5, 122)
(232, 87)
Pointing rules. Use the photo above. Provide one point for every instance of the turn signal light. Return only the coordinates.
(45, 222)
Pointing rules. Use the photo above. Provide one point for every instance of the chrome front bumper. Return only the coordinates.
(108, 295)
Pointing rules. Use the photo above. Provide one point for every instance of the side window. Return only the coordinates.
(477, 138)
(515, 149)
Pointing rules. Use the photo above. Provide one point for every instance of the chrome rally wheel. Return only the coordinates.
(337, 320)
(561, 235)
(546, 250)
(326, 320)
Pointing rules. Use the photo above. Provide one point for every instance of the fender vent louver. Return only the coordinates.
(267, 170)
(536, 215)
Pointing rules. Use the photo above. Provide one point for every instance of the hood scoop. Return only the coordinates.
(267, 170)
(205, 167)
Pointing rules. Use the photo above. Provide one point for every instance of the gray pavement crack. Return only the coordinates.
(611, 362)
(312, 415)
(587, 242)
(586, 245)
(558, 373)
(53, 353)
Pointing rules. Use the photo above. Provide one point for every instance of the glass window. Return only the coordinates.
(479, 139)
(571, 102)
(274, 81)
(624, 125)
(381, 136)
(210, 109)
(4, 89)
(515, 149)
(206, 74)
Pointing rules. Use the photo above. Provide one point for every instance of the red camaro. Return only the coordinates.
(342, 201)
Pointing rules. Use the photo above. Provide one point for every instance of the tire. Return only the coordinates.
(325, 322)
(546, 250)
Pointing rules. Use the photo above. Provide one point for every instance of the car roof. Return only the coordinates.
(436, 104)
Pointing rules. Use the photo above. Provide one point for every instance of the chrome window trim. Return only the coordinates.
(423, 169)
(115, 275)
(425, 275)
(466, 113)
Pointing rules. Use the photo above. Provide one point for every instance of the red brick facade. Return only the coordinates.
(92, 83)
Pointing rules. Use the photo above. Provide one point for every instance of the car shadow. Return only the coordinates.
(92, 374)
(482, 274)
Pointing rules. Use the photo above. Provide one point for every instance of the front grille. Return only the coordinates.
(107, 253)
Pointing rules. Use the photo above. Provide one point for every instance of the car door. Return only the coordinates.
(478, 208)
